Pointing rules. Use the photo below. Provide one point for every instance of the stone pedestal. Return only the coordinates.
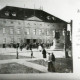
(57, 45)
(54, 44)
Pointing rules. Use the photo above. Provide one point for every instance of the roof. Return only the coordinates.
(17, 13)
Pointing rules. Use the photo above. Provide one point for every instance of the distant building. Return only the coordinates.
(30, 26)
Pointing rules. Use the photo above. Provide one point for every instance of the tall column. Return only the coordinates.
(65, 39)
(71, 30)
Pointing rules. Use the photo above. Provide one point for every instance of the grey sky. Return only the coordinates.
(64, 9)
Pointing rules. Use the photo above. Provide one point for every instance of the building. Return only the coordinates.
(30, 26)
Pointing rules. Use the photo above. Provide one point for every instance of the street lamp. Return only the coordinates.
(17, 51)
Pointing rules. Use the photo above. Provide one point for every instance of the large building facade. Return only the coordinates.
(30, 26)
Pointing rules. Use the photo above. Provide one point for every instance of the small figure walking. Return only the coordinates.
(31, 53)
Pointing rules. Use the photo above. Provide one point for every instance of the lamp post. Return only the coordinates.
(17, 51)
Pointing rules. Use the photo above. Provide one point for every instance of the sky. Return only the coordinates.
(64, 9)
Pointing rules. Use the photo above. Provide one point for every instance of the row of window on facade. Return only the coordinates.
(7, 13)
(19, 40)
(27, 31)
(11, 40)
(27, 23)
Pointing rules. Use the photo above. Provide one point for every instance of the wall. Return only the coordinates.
(44, 26)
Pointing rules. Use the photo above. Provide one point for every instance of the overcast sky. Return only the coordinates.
(64, 9)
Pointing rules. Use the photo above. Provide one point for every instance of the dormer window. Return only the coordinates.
(13, 14)
(53, 18)
(48, 17)
(7, 13)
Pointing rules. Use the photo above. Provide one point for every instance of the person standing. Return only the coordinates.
(44, 53)
(51, 62)
(31, 53)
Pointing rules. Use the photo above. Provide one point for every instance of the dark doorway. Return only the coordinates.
(34, 40)
(28, 41)
(57, 35)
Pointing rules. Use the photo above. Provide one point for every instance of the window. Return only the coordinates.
(40, 31)
(4, 30)
(7, 13)
(34, 31)
(27, 31)
(47, 32)
(63, 32)
(4, 40)
(57, 34)
(12, 40)
(48, 17)
(53, 18)
(43, 31)
(53, 33)
(13, 14)
(19, 39)
(18, 31)
(11, 30)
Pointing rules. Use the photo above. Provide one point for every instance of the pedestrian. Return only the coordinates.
(40, 48)
(21, 47)
(44, 53)
(17, 45)
(31, 53)
(51, 62)
(30, 46)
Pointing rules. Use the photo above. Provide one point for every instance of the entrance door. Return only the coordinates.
(57, 35)
(34, 40)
